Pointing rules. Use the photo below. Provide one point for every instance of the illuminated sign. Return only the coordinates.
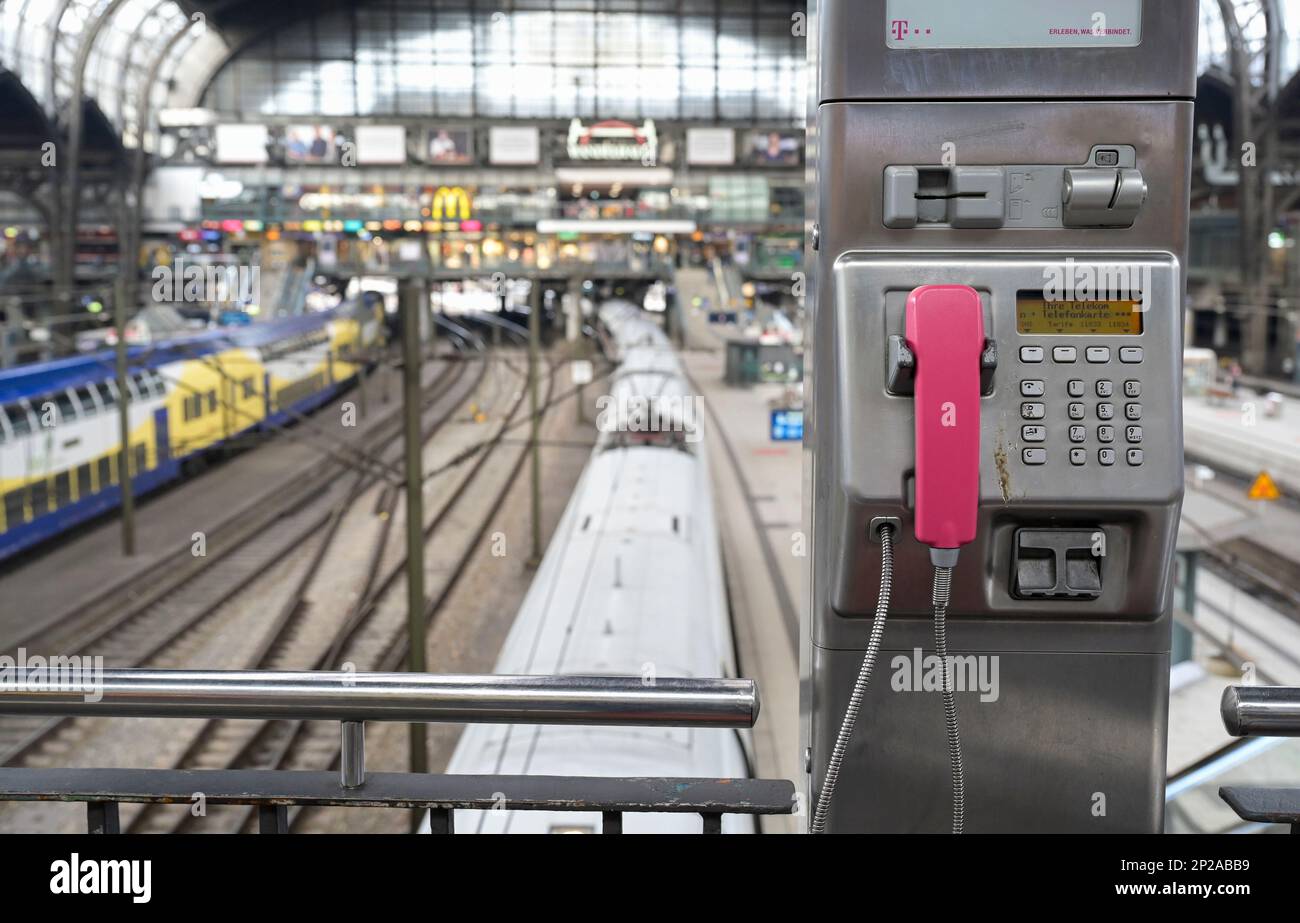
(451, 202)
(613, 140)
(787, 425)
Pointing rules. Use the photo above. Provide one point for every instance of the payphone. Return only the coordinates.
(994, 432)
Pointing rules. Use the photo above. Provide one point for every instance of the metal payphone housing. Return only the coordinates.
(959, 163)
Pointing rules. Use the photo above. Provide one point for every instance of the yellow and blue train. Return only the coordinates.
(59, 420)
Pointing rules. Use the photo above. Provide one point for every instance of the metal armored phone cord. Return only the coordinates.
(940, 596)
(827, 792)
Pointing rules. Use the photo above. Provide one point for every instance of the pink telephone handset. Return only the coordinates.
(945, 332)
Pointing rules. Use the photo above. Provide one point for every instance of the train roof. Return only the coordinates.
(44, 377)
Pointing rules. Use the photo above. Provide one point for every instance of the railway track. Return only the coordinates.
(1261, 571)
(177, 594)
(366, 638)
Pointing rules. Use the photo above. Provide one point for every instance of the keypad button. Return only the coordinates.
(1077, 411)
(1132, 388)
(1076, 388)
(1130, 354)
(1106, 433)
(1078, 433)
(1035, 456)
(1135, 457)
(1105, 388)
(1033, 433)
(1078, 456)
(1105, 411)
(1033, 411)
(1133, 433)
(1133, 411)
(1098, 353)
(1032, 388)
(1064, 354)
(1031, 354)
(1106, 456)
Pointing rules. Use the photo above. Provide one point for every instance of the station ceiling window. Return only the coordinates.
(704, 59)
(124, 44)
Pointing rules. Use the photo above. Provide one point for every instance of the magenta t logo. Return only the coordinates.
(900, 28)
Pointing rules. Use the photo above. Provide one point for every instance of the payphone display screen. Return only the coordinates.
(915, 24)
(1037, 315)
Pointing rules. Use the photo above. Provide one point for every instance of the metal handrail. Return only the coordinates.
(1261, 711)
(356, 697)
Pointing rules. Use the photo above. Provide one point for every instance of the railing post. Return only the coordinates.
(272, 818)
(712, 823)
(102, 817)
(442, 820)
(352, 763)
(611, 822)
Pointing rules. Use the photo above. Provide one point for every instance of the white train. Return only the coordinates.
(632, 585)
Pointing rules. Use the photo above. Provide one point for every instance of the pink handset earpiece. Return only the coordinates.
(945, 331)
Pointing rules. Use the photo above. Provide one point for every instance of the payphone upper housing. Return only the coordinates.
(1051, 175)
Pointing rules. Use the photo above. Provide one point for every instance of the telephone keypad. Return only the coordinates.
(1078, 411)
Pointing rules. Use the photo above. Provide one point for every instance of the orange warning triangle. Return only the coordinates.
(1264, 488)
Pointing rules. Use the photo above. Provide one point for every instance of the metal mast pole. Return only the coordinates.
(124, 420)
(534, 349)
(412, 306)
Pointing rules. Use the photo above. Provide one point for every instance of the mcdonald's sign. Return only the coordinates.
(451, 203)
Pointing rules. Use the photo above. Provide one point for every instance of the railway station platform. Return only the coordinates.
(1238, 436)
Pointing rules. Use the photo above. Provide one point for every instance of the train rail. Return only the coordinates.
(370, 637)
(178, 593)
(1265, 572)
